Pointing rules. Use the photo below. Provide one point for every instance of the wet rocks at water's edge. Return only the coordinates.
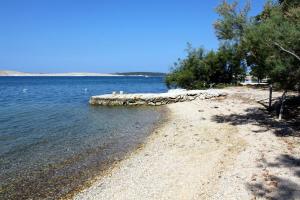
(173, 96)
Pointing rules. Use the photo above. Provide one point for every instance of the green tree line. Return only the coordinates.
(266, 46)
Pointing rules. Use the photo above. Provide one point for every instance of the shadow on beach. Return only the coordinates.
(289, 126)
(272, 186)
(275, 187)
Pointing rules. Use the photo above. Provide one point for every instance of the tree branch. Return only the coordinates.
(287, 51)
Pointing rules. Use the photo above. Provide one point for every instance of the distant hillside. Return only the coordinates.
(141, 73)
(11, 73)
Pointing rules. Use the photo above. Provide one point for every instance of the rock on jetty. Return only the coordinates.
(154, 99)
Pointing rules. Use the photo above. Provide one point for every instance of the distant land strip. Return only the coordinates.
(141, 73)
(16, 73)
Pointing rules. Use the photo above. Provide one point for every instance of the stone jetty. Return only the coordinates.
(154, 99)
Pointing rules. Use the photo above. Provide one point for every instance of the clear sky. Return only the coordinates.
(103, 35)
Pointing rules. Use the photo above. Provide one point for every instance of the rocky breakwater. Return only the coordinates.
(154, 99)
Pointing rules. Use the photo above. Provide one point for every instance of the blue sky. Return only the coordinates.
(103, 35)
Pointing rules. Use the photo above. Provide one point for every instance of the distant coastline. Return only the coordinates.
(16, 73)
(141, 73)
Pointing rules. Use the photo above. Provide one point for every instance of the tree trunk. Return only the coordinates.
(270, 96)
(282, 104)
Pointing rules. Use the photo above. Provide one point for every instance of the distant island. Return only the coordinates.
(16, 73)
(141, 73)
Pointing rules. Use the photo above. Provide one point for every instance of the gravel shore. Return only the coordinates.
(209, 149)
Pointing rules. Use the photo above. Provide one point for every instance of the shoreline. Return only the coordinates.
(109, 168)
(194, 154)
(158, 133)
(79, 171)
(48, 160)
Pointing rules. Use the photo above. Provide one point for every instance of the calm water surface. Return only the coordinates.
(52, 141)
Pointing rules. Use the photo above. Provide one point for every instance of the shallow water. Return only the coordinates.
(52, 141)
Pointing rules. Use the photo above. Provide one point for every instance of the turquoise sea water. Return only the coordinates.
(52, 141)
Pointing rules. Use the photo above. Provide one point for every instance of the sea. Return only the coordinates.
(53, 143)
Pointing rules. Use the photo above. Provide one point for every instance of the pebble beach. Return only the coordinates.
(207, 149)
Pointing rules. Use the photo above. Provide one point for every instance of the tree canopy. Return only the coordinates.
(266, 45)
(272, 41)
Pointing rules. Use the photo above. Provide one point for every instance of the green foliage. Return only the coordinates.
(230, 28)
(272, 39)
(268, 44)
(232, 22)
(190, 72)
(201, 69)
